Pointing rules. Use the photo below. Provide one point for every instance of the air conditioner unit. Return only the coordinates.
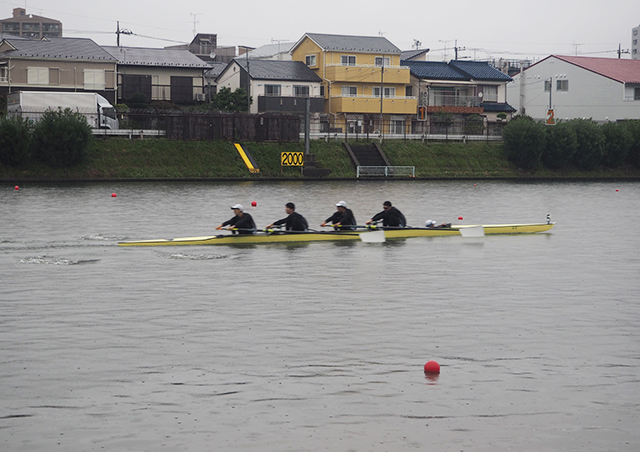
(201, 97)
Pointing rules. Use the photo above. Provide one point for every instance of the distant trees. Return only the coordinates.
(225, 100)
(59, 139)
(581, 143)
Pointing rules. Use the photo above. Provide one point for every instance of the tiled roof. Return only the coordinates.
(497, 107)
(360, 44)
(142, 56)
(433, 70)
(270, 50)
(216, 70)
(59, 48)
(278, 70)
(479, 70)
(411, 54)
(624, 71)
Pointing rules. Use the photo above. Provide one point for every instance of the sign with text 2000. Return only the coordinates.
(292, 159)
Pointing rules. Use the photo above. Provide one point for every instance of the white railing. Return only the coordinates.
(368, 66)
(386, 171)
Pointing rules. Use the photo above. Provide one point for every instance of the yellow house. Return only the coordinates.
(364, 86)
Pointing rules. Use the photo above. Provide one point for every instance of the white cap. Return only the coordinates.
(341, 204)
(429, 223)
(237, 206)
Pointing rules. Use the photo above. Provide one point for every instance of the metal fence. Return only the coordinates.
(386, 171)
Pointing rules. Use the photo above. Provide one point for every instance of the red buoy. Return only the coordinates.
(432, 367)
(460, 218)
(16, 188)
(113, 195)
(254, 204)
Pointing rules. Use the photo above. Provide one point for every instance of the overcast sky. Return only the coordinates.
(486, 29)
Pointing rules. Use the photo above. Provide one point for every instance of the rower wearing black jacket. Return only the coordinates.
(343, 219)
(294, 222)
(390, 216)
(241, 221)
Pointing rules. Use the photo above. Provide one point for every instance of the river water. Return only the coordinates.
(319, 346)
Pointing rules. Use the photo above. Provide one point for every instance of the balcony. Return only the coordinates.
(438, 100)
(289, 104)
(369, 104)
(367, 74)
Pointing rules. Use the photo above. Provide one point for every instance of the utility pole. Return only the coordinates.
(456, 48)
(620, 51)
(119, 32)
(381, 98)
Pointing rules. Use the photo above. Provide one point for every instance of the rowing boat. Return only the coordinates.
(271, 236)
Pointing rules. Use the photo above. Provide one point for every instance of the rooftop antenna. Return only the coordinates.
(273, 41)
(195, 22)
(575, 47)
(381, 33)
(416, 44)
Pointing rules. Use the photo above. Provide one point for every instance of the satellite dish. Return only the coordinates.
(480, 95)
(212, 55)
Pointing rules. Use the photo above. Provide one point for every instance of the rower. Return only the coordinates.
(343, 219)
(242, 221)
(390, 216)
(293, 222)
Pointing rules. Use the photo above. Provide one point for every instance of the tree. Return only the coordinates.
(225, 100)
(618, 140)
(15, 139)
(634, 150)
(61, 138)
(560, 145)
(590, 149)
(524, 143)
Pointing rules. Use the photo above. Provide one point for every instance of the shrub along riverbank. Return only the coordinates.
(124, 159)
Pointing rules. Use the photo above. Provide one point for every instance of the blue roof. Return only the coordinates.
(433, 70)
(480, 70)
(455, 70)
(497, 107)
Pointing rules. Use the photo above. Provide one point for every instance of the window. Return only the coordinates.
(636, 93)
(132, 84)
(562, 85)
(388, 92)
(547, 85)
(271, 90)
(38, 75)
(380, 61)
(54, 76)
(408, 91)
(94, 79)
(489, 93)
(301, 90)
(349, 91)
(310, 60)
(4, 74)
(348, 60)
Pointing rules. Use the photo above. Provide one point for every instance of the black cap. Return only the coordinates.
(387, 203)
(290, 205)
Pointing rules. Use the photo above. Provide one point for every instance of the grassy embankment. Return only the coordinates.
(124, 159)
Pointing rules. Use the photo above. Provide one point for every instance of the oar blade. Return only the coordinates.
(472, 231)
(373, 237)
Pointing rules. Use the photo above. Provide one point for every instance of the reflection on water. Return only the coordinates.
(319, 346)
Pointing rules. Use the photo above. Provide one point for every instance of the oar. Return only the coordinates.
(373, 237)
(471, 231)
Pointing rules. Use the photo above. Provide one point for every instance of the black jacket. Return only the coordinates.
(346, 219)
(244, 222)
(294, 222)
(391, 217)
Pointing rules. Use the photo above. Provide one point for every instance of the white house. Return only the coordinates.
(275, 86)
(604, 89)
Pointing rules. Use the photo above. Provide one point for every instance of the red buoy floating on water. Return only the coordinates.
(16, 188)
(432, 367)
(113, 195)
(460, 218)
(254, 204)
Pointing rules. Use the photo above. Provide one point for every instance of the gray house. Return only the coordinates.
(276, 86)
(160, 74)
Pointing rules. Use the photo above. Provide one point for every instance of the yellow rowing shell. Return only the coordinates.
(289, 237)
